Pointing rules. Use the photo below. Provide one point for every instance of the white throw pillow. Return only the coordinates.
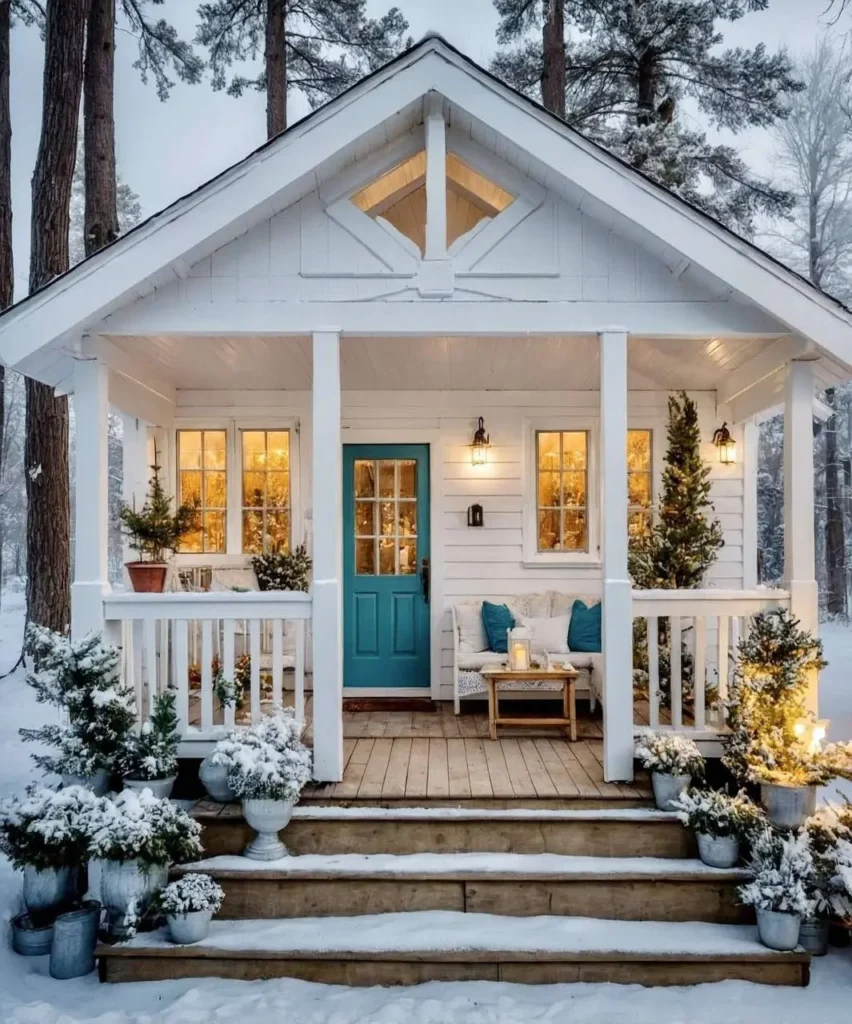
(548, 634)
(472, 636)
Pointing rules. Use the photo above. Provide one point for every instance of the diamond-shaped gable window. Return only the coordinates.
(399, 197)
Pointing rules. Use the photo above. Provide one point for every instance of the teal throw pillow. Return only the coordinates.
(584, 630)
(497, 619)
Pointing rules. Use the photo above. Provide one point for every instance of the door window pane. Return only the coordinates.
(562, 487)
(388, 514)
(266, 491)
(202, 482)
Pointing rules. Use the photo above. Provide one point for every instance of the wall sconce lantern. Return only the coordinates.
(726, 444)
(475, 516)
(479, 447)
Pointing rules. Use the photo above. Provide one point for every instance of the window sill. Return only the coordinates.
(558, 561)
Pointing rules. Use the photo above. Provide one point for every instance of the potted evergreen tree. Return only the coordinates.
(82, 679)
(782, 867)
(673, 762)
(149, 760)
(830, 886)
(720, 823)
(189, 904)
(154, 532)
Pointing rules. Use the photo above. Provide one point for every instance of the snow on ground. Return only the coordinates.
(29, 996)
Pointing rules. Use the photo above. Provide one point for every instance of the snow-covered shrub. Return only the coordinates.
(191, 893)
(267, 761)
(47, 828)
(670, 754)
(283, 570)
(229, 692)
(153, 753)
(715, 813)
(783, 871)
(82, 678)
(830, 841)
(139, 826)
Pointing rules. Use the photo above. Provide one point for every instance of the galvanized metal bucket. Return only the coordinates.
(667, 788)
(51, 888)
(778, 930)
(267, 818)
(214, 778)
(161, 788)
(788, 806)
(718, 851)
(32, 935)
(813, 935)
(97, 783)
(126, 890)
(191, 927)
(75, 935)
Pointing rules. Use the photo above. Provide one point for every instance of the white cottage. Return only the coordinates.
(313, 338)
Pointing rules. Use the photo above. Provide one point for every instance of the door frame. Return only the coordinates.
(432, 438)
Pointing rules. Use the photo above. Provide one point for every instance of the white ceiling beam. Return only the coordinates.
(137, 370)
(132, 398)
(758, 368)
(765, 395)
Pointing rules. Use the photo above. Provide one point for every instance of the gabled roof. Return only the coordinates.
(282, 170)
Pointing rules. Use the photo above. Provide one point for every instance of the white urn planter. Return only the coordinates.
(97, 783)
(187, 928)
(667, 788)
(778, 930)
(267, 818)
(718, 851)
(788, 806)
(50, 888)
(161, 788)
(214, 778)
(126, 890)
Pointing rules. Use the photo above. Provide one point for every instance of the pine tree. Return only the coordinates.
(153, 753)
(128, 208)
(316, 47)
(629, 64)
(683, 543)
(155, 528)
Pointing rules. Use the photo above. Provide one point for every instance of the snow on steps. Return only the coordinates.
(522, 885)
(433, 829)
(409, 948)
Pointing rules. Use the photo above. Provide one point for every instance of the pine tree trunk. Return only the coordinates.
(101, 217)
(46, 450)
(276, 67)
(835, 541)
(553, 72)
(7, 267)
(646, 89)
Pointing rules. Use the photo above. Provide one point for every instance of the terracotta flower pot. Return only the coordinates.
(147, 577)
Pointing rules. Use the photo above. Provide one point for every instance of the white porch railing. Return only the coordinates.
(710, 624)
(166, 636)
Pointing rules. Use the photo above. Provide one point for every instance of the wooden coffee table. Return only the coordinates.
(566, 676)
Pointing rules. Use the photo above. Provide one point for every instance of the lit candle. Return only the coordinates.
(520, 661)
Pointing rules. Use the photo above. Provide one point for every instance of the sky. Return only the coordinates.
(165, 150)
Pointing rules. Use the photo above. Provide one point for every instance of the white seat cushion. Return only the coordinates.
(475, 662)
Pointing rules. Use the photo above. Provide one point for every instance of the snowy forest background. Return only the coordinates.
(652, 80)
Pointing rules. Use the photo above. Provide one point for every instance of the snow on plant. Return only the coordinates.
(267, 761)
(229, 692)
(83, 679)
(715, 813)
(670, 754)
(783, 870)
(46, 828)
(153, 753)
(830, 840)
(139, 826)
(190, 894)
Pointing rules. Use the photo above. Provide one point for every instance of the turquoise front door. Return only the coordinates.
(386, 566)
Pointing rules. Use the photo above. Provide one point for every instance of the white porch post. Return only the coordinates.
(328, 559)
(617, 622)
(135, 470)
(799, 558)
(91, 511)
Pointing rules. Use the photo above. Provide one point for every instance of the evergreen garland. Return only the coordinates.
(155, 528)
(153, 753)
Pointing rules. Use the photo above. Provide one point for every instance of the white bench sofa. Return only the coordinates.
(468, 663)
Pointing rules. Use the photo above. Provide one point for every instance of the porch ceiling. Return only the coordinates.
(466, 363)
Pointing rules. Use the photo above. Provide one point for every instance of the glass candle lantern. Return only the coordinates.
(518, 645)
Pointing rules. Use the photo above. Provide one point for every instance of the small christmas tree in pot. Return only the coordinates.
(155, 531)
(673, 762)
(150, 760)
(189, 905)
(720, 823)
(782, 867)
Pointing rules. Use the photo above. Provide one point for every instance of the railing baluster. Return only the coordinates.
(675, 679)
(300, 670)
(228, 660)
(180, 635)
(163, 674)
(206, 674)
(278, 627)
(653, 634)
(254, 650)
(151, 660)
(699, 673)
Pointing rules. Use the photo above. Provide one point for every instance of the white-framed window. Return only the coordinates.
(640, 481)
(562, 490)
(202, 481)
(265, 485)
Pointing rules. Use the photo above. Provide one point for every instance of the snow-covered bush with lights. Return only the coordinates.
(773, 737)
(83, 679)
(47, 828)
(191, 894)
(139, 826)
(153, 753)
(267, 761)
(670, 754)
(715, 813)
(783, 869)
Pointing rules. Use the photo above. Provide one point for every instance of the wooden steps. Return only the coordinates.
(373, 829)
(406, 949)
(629, 889)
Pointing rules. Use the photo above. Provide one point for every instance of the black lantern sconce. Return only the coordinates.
(479, 447)
(475, 516)
(726, 444)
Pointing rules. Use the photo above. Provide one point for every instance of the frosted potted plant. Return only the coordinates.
(136, 836)
(155, 532)
(719, 821)
(189, 905)
(774, 740)
(829, 837)
(782, 867)
(150, 759)
(44, 834)
(83, 680)
(673, 762)
(268, 768)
